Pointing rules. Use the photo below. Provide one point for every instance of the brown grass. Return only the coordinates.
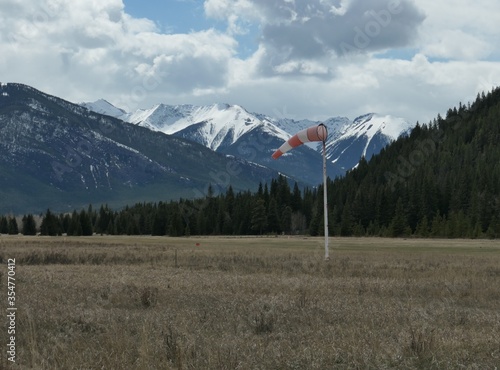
(254, 303)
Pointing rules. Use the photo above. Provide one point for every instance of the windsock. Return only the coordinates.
(314, 133)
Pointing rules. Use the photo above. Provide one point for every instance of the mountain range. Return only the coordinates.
(442, 180)
(231, 129)
(63, 155)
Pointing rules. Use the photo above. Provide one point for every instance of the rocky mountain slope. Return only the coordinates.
(61, 155)
(233, 130)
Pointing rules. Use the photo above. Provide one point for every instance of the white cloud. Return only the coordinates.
(233, 10)
(79, 48)
(85, 50)
(456, 44)
(415, 89)
(457, 30)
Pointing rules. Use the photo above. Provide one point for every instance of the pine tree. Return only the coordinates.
(315, 224)
(86, 223)
(422, 229)
(286, 220)
(111, 228)
(92, 216)
(493, 228)
(259, 217)
(75, 226)
(358, 230)
(4, 225)
(64, 221)
(437, 228)
(347, 222)
(273, 218)
(29, 225)
(201, 224)
(13, 227)
(477, 231)
(399, 222)
(142, 228)
(230, 200)
(159, 224)
(296, 199)
(103, 219)
(50, 225)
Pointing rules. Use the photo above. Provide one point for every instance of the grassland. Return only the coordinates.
(253, 303)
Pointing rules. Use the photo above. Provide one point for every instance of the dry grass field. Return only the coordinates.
(252, 303)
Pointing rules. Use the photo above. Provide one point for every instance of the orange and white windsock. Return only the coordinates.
(314, 133)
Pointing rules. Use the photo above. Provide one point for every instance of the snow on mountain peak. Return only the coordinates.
(364, 136)
(102, 106)
(215, 124)
(372, 123)
(220, 125)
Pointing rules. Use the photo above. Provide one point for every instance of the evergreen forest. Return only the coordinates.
(442, 180)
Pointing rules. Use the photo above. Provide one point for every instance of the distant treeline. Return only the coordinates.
(443, 180)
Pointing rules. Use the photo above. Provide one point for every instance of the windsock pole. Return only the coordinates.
(311, 134)
(325, 204)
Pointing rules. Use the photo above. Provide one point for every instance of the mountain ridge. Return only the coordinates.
(220, 126)
(59, 154)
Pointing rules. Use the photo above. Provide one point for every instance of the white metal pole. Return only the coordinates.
(325, 205)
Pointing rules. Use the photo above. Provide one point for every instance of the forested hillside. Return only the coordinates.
(441, 181)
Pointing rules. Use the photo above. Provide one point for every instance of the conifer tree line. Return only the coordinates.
(443, 180)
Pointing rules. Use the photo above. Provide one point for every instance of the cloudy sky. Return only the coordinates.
(287, 58)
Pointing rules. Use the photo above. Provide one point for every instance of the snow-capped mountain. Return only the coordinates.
(230, 128)
(363, 137)
(102, 106)
(59, 155)
(215, 126)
